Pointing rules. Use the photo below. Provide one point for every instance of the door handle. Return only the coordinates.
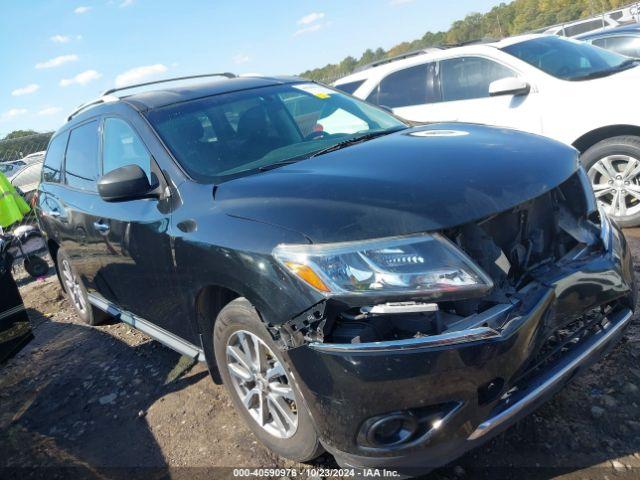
(101, 227)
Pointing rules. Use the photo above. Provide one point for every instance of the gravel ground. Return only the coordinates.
(108, 402)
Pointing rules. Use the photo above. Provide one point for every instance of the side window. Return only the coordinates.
(411, 86)
(584, 27)
(469, 77)
(81, 164)
(122, 146)
(625, 45)
(349, 87)
(599, 42)
(53, 159)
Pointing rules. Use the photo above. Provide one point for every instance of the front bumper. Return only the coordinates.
(345, 386)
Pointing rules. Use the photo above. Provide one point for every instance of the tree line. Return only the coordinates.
(503, 20)
(20, 143)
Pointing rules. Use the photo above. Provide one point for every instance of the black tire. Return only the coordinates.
(89, 315)
(623, 146)
(36, 266)
(238, 315)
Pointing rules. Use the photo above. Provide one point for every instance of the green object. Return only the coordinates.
(13, 208)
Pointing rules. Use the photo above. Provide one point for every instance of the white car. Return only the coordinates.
(567, 90)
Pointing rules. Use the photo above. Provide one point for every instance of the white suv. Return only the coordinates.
(568, 90)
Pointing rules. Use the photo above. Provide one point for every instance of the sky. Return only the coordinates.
(57, 54)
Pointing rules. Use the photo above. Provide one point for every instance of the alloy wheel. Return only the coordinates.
(616, 184)
(72, 285)
(262, 384)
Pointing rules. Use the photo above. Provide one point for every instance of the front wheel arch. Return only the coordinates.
(210, 300)
(597, 135)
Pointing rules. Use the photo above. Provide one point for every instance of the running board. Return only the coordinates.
(161, 335)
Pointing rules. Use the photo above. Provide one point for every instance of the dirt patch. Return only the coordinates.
(109, 402)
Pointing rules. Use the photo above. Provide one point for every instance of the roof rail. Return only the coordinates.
(383, 61)
(97, 101)
(175, 79)
(478, 41)
(108, 97)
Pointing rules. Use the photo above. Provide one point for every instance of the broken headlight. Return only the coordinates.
(425, 265)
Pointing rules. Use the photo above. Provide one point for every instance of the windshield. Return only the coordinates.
(569, 59)
(221, 137)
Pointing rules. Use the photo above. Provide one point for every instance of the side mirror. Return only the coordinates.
(509, 86)
(125, 183)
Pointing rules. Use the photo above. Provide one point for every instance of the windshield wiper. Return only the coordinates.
(336, 146)
(352, 141)
(281, 163)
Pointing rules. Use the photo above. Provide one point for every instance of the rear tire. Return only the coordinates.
(613, 167)
(76, 293)
(239, 328)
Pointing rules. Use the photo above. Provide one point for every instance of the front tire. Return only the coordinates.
(261, 385)
(76, 293)
(613, 167)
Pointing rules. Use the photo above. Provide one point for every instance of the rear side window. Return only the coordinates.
(350, 87)
(465, 78)
(411, 86)
(81, 165)
(122, 146)
(584, 27)
(53, 159)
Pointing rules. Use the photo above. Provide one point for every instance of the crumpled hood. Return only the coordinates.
(418, 180)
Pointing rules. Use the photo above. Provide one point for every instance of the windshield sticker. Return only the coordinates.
(314, 89)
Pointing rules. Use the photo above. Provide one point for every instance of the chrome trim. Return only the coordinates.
(615, 325)
(433, 341)
(477, 320)
(400, 307)
(161, 335)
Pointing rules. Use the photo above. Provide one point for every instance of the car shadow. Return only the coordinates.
(74, 402)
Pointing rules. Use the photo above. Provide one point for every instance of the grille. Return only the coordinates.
(560, 341)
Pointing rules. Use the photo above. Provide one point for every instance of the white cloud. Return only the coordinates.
(25, 90)
(309, 29)
(311, 18)
(78, 37)
(49, 111)
(81, 9)
(395, 3)
(136, 74)
(57, 61)
(126, 3)
(241, 58)
(60, 39)
(14, 112)
(81, 79)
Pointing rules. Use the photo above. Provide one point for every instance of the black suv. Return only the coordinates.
(395, 295)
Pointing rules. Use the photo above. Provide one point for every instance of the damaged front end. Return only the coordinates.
(405, 373)
(527, 244)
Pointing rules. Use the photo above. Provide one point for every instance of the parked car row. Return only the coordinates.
(25, 174)
(393, 294)
(549, 85)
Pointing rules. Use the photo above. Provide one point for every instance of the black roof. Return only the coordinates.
(631, 28)
(161, 97)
